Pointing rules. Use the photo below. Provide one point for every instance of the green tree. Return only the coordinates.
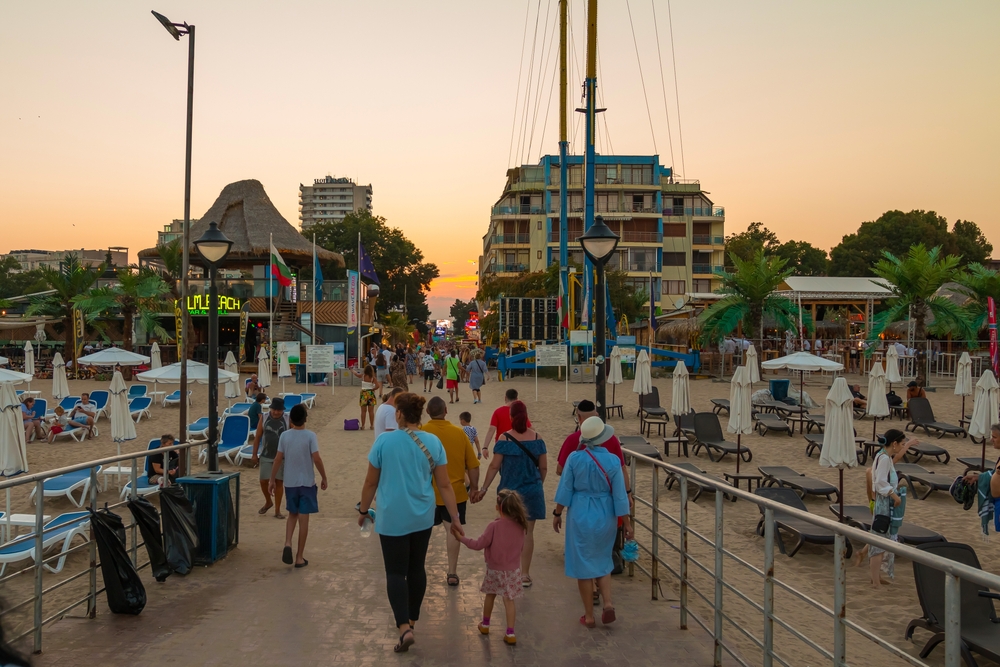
(894, 232)
(69, 281)
(746, 244)
(750, 297)
(978, 283)
(138, 293)
(626, 301)
(15, 282)
(803, 258)
(460, 310)
(970, 242)
(404, 276)
(914, 280)
(397, 327)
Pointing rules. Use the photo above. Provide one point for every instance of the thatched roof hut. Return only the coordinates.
(246, 215)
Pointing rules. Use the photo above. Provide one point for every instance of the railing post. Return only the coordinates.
(839, 600)
(768, 587)
(952, 620)
(654, 499)
(684, 552)
(719, 500)
(92, 593)
(631, 474)
(39, 540)
(133, 495)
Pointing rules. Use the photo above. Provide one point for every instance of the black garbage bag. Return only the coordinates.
(180, 532)
(148, 520)
(124, 589)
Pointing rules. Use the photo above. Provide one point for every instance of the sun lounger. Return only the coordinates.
(860, 516)
(792, 479)
(238, 409)
(136, 391)
(62, 529)
(198, 428)
(922, 416)
(815, 421)
(67, 404)
(800, 529)
(65, 485)
(911, 472)
(245, 453)
(698, 487)
(708, 434)
(639, 445)
(77, 433)
(720, 405)
(922, 449)
(309, 400)
(972, 463)
(979, 631)
(770, 422)
(100, 399)
(235, 434)
(174, 398)
(291, 400)
(138, 407)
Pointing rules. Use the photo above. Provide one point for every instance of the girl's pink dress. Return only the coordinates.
(502, 541)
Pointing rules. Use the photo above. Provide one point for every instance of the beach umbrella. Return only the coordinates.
(802, 362)
(4, 361)
(839, 450)
(263, 368)
(892, 366)
(29, 361)
(284, 370)
(13, 449)
(615, 371)
(680, 400)
(643, 383)
(740, 412)
(60, 388)
(122, 426)
(113, 356)
(14, 377)
(154, 357)
(878, 405)
(963, 379)
(752, 364)
(196, 372)
(233, 386)
(984, 409)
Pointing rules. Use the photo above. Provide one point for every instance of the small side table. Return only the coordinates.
(611, 409)
(660, 424)
(734, 479)
(681, 442)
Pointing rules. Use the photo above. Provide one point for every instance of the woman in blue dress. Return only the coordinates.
(519, 458)
(593, 489)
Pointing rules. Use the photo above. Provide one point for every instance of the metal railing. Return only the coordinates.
(706, 268)
(706, 239)
(510, 238)
(762, 600)
(40, 561)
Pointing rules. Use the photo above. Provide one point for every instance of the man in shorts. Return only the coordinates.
(385, 415)
(84, 413)
(429, 367)
(265, 449)
(500, 421)
(453, 369)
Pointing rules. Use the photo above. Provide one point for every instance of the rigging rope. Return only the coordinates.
(527, 93)
(663, 85)
(677, 96)
(517, 95)
(642, 79)
(541, 79)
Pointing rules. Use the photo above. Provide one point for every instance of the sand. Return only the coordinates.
(886, 611)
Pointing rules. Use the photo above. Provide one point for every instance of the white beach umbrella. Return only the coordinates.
(233, 386)
(196, 372)
(14, 377)
(284, 370)
(4, 361)
(680, 399)
(60, 388)
(963, 379)
(802, 362)
(29, 361)
(113, 356)
(892, 366)
(643, 383)
(839, 450)
(878, 405)
(615, 371)
(13, 449)
(984, 409)
(154, 357)
(263, 368)
(753, 364)
(740, 411)
(122, 426)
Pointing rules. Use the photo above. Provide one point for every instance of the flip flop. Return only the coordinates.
(404, 643)
(453, 580)
(526, 582)
(263, 510)
(608, 616)
(302, 564)
(589, 624)
(286, 556)
(279, 516)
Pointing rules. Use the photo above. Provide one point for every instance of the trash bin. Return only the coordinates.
(779, 389)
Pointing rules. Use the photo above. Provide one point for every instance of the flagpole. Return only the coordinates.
(314, 298)
(270, 293)
(357, 301)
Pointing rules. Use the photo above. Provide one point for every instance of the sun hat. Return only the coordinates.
(595, 432)
(277, 403)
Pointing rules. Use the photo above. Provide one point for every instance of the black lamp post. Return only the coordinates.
(213, 246)
(599, 242)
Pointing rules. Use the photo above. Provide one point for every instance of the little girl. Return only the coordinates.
(502, 540)
(60, 423)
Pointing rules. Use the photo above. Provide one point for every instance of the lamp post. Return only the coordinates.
(599, 242)
(213, 246)
(176, 30)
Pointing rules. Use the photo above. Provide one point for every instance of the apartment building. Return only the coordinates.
(34, 259)
(672, 234)
(330, 199)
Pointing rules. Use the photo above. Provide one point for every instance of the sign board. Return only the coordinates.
(320, 359)
(550, 355)
(628, 353)
(625, 340)
(197, 304)
(577, 338)
(294, 350)
(339, 355)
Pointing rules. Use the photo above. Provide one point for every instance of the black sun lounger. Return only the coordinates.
(720, 405)
(911, 472)
(980, 632)
(860, 517)
(815, 421)
(770, 422)
(708, 434)
(639, 445)
(922, 416)
(788, 477)
(698, 487)
(922, 449)
(649, 405)
(800, 529)
(972, 463)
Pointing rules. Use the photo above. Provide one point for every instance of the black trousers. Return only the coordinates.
(405, 577)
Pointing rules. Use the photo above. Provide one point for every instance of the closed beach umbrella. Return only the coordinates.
(233, 386)
(752, 364)
(984, 409)
(13, 449)
(263, 368)
(615, 371)
(154, 357)
(122, 426)
(878, 406)
(838, 436)
(29, 361)
(284, 370)
(680, 400)
(643, 383)
(892, 366)
(60, 388)
(963, 379)
(740, 415)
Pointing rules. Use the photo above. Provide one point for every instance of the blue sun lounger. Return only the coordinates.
(62, 529)
(65, 485)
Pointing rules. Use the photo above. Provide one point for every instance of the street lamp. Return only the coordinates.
(599, 242)
(213, 246)
(176, 30)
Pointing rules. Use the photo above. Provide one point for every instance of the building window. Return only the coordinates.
(701, 285)
(674, 287)
(674, 259)
(539, 254)
(539, 225)
(674, 230)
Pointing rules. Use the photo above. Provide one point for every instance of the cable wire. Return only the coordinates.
(677, 95)
(663, 85)
(642, 79)
(541, 78)
(517, 94)
(527, 93)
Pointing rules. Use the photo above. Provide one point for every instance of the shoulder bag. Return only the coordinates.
(534, 459)
(880, 522)
(423, 448)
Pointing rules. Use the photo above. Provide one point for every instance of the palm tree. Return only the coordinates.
(171, 254)
(138, 293)
(750, 297)
(398, 327)
(978, 283)
(69, 281)
(914, 281)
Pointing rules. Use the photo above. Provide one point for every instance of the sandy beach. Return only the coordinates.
(810, 571)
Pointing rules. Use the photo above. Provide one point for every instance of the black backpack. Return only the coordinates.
(892, 399)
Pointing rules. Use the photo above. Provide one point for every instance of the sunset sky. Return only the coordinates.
(810, 117)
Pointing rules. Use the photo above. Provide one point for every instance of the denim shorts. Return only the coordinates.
(301, 499)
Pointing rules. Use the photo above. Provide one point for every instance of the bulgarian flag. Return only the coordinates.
(279, 269)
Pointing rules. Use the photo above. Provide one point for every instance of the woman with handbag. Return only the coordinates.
(401, 465)
(477, 375)
(890, 504)
(592, 486)
(519, 458)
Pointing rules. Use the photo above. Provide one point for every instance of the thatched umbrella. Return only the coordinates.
(838, 436)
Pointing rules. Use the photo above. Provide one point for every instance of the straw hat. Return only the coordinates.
(594, 432)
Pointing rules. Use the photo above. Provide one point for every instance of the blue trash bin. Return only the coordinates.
(779, 389)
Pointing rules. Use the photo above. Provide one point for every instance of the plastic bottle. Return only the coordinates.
(367, 524)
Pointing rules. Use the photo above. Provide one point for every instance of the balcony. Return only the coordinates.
(706, 269)
(644, 267)
(697, 212)
(573, 235)
(518, 210)
(506, 268)
(641, 237)
(707, 239)
(510, 238)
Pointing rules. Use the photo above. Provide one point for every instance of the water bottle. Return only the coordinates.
(366, 525)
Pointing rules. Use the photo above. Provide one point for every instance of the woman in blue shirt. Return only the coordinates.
(401, 465)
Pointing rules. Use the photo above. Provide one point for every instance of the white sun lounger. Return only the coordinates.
(61, 529)
(65, 485)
